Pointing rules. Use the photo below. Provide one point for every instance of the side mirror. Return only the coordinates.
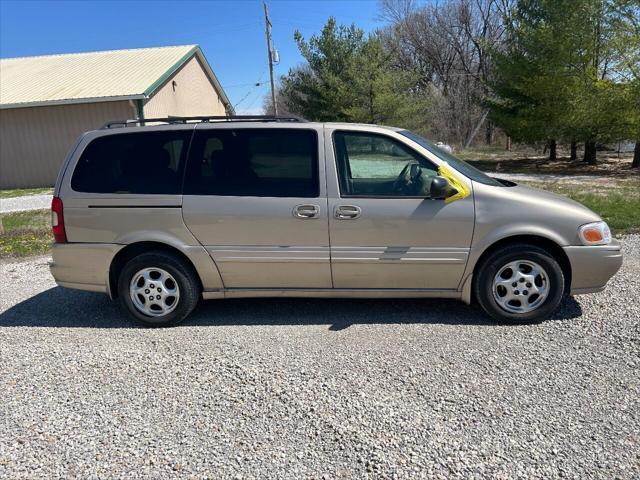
(440, 189)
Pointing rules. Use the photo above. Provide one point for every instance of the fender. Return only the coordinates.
(480, 246)
(196, 253)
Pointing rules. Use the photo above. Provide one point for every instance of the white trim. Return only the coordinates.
(71, 101)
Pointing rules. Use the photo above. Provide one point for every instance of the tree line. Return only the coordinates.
(540, 71)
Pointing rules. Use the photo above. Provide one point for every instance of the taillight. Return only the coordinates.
(57, 221)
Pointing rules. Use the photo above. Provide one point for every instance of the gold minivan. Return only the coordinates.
(159, 216)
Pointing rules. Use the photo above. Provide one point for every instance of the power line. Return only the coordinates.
(246, 107)
(256, 85)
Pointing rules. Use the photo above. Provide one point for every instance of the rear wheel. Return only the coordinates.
(158, 289)
(520, 283)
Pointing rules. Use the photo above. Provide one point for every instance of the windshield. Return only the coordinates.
(463, 167)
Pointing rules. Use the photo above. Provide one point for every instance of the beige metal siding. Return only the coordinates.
(34, 141)
(194, 94)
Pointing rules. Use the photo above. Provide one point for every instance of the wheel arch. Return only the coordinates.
(134, 249)
(545, 243)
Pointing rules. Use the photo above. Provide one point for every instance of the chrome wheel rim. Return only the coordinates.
(520, 286)
(154, 292)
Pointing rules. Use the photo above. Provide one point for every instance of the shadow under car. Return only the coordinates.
(60, 307)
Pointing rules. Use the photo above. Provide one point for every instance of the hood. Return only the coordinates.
(545, 199)
(519, 210)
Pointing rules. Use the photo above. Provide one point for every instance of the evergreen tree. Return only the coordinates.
(349, 77)
(560, 75)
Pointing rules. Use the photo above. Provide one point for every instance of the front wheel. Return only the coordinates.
(520, 284)
(158, 289)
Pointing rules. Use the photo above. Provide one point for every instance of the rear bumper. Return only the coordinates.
(593, 266)
(83, 266)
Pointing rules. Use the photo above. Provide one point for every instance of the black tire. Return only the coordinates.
(181, 271)
(486, 272)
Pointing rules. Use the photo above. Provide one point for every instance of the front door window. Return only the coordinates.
(377, 165)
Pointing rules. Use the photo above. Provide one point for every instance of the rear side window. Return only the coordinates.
(253, 163)
(141, 162)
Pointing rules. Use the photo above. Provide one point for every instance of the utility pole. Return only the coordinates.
(268, 29)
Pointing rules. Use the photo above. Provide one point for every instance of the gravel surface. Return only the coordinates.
(24, 203)
(317, 388)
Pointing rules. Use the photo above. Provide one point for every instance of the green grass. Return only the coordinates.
(25, 233)
(619, 206)
(19, 192)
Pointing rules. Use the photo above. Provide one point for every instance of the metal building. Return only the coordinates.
(46, 102)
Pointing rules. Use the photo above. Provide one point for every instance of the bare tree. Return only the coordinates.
(450, 44)
(283, 97)
(283, 107)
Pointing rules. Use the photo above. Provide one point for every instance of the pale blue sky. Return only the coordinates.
(231, 33)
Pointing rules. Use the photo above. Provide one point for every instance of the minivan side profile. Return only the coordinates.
(182, 209)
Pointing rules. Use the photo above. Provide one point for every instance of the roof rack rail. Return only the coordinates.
(203, 119)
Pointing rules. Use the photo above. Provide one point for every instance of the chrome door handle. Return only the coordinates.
(306, 211)
(347, 212)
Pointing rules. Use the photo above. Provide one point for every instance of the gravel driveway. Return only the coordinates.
(317, 388)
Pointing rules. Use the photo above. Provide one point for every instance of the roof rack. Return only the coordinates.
(212, 119)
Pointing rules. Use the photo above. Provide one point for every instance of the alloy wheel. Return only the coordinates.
(520, 286)
(154, 292)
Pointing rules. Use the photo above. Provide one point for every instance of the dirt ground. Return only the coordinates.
(527, 160)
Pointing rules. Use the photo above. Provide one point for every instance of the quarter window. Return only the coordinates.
(254, 162)
(376, 165)
(132, 163)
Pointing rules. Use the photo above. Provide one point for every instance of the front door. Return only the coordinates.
(385, 231)
(253, 197)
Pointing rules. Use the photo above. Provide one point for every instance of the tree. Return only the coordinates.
(561, 77)
(529, 87)
(281, 100)
(348, 77)
(450, 45)
(627, 24)
(318, 91)
(380, 92)
(603, 101)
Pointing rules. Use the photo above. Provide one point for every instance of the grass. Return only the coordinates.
(25, 233)
(19, 192)
(619, 205)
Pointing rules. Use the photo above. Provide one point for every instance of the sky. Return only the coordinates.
(231, 33)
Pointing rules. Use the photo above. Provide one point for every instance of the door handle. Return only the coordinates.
(347, 212)
(306, 211)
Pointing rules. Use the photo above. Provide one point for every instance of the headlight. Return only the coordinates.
(596, 233)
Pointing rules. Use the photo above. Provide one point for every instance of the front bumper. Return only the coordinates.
(84, 266)
(593, 266)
